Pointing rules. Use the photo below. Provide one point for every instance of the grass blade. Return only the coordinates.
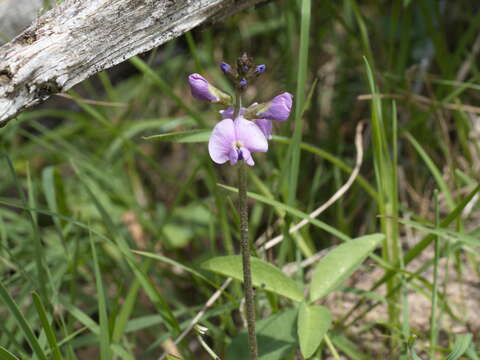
(462, 342)
(22, 322)
(6, 355)
(433, 169)
(299, 100)
(105, 353)
(52, 340)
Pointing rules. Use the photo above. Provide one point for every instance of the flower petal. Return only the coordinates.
(221, 141)
(228, 112)
(247, 156)
(233, 156)
(278, 108)
(201, 89)
(266, 127)
(250, 135)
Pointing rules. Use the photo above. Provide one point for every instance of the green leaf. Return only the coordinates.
(436, 173)
(313, 323)
(348, 347)
(22, 322)
(445, 233)
(264, 275)
(471, 352)
(6, 355)
(276, 337)
(462, 342)
(293, 211)
(52, 340)
(189, 136)
(172, 262)
(340, 263)
(104, 336)
(172, 357)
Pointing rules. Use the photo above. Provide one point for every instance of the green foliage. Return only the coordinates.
(313, 323)
(340, 263)
(276, 336)
(264, 275)
(123, 163)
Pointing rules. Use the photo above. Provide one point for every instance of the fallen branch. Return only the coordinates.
(79, 38)
(16, 15)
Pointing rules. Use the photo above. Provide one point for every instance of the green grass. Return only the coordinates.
(108, 210)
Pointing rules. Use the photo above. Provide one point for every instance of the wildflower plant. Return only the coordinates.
(241, 132)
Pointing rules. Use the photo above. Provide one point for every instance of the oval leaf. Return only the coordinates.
(275, 335)
(340, 263)
(264, 275)
(313, 323)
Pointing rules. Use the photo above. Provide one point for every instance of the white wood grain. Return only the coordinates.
(79, 38)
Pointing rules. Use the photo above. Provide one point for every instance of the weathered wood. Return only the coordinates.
(16, 15)
(79, 38)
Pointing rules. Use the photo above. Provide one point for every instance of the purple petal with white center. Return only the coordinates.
(266, 127)
(221, 142)
(201, 88)
(278, 108)
(250, 135)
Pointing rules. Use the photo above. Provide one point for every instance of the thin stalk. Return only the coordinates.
(433, 319)
(245, 248)
(331, 347)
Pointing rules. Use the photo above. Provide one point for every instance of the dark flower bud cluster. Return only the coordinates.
(246, 71)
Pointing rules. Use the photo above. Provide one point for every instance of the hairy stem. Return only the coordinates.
(245, 249)
(244, 246)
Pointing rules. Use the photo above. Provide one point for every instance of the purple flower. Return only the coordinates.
(266, 126)
(226, 68)
(202, 90)
(260, 69)
(236, 140)
(278, 108)
(228, 112)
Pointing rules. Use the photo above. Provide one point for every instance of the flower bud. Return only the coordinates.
(226, 68)
(260, 69)
(202, 90)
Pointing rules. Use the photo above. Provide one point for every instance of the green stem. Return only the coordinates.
(245, 248)
(433, 317)
(331, 347)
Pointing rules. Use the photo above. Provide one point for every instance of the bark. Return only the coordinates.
(16, 15)
(79, 38)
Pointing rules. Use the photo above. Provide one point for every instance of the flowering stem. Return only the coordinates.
(245, 249)
(244, 245)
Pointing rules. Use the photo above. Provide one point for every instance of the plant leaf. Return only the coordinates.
(312, 324)
(22, 323)
(264, 275)
(462, 342)
(340, 263)
(276, 336)
(6, 355)
(188, 136)
(50, 334)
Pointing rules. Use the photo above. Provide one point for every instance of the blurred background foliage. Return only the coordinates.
(77, 171)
